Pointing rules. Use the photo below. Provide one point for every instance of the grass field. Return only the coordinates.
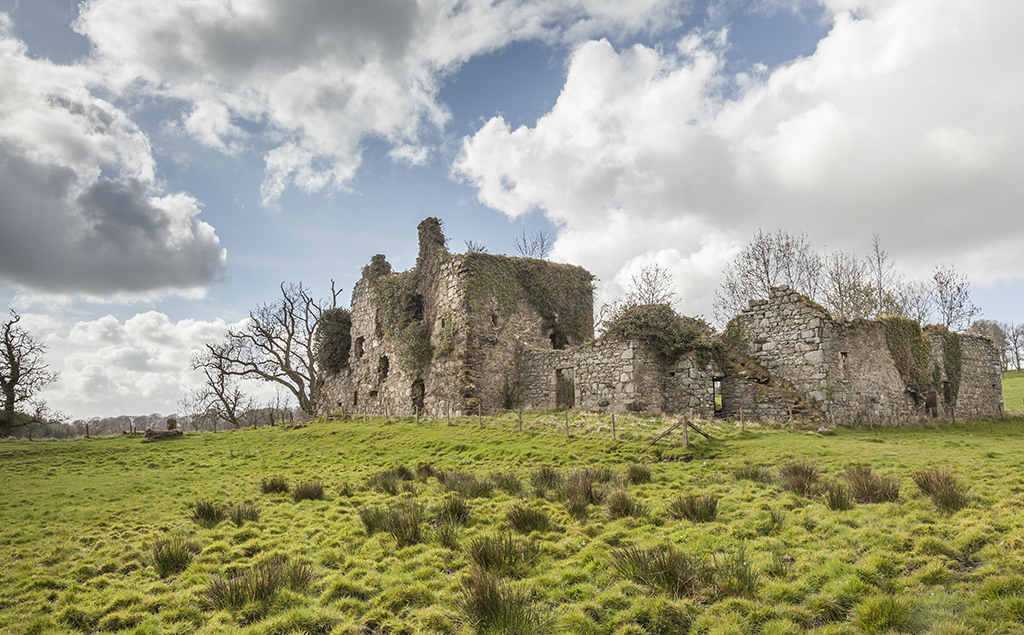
(428, 528)
(1013, 391)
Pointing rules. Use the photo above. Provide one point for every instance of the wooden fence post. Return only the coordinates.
(743, 426)
(686, 434)
(567, 422)
(519, 418)
(613, 426)
(448, 415)
(480, 414)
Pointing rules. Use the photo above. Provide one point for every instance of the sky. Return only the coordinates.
(166, 165)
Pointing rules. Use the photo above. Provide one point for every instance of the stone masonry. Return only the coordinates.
(493, 346)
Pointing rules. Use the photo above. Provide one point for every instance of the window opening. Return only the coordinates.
(717, 384)
(382, 368)
(359, 347)
(844, 365)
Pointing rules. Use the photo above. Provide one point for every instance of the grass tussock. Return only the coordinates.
(753, 472)
(171, 556)
(274, 485)
(466, 484)
(308, 491)
(867, 486)
(502, 554)
(545, 479)
(372, 519)
(526, 519)
(736, 575)
(391, 480)
(259, 584)
(208, 513)
(508, 482)
(694, 508)
(837, 497)
(490, 605)
(404, 522)
(454, 510)
(638, 474)
(247, 511)
(664, 569)
(620, 504)
(941, 485)
(447, 535)
(888, 614)
(800, 477)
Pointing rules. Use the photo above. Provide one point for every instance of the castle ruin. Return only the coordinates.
(466, 333)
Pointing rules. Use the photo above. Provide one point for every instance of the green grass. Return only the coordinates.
(1013, 391)
(505, 532)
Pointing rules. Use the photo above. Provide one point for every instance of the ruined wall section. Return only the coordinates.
(863, 382)
(786, 335)
(495, 362)
(980, 392)
(374, 381)
(689, 385)
(619, 376)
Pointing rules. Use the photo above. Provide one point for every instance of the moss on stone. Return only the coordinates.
(909, 352)
(561, 294)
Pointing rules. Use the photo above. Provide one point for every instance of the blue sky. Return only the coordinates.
(164, 166)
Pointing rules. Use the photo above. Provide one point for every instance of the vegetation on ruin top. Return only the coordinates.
(561, 294)
(659, 327)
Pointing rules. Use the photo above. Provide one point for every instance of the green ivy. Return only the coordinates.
(446, 336)
(400, 313)
(909, 351)
(333, 339)
(952, 361)
(561, 294)
(664, 331)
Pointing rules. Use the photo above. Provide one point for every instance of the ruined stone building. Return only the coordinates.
(466, 333)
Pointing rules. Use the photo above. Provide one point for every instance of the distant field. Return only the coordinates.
(428, 528)
(1013, 391)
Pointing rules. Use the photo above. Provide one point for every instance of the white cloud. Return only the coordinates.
(80, 211)
(324, 75)
(906, 122)
(139, 365)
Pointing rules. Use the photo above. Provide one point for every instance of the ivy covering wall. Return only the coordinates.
(563, 295)
(664, 331)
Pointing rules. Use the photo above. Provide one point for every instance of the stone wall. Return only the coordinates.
(846, 368)
(786, 335)
(619, 376)
(981, 386)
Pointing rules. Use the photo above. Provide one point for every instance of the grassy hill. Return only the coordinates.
(429, 528)
(1013, 391)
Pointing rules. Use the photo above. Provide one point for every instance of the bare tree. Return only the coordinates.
(473, 247)
(1015, 342)
(278, 344)
(885, 281)
(953, 298)
(23, 374)
(653, 285)
(846, 286)
(917, 299)
(221, 395)
(994, 331)
(537, 245)
(769, 260)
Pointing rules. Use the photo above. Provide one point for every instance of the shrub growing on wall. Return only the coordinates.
(666, 332)
(333, 339)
